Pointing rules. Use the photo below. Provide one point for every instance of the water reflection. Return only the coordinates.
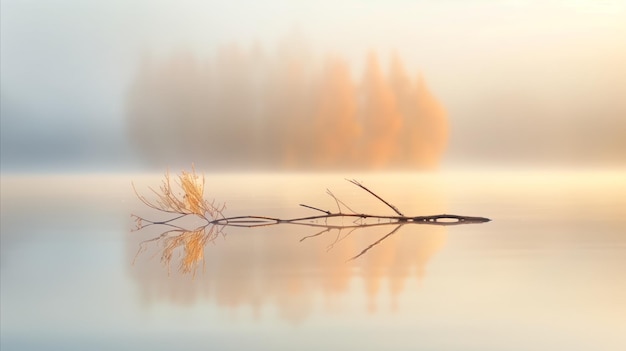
(272, 265)
(547, 274)
(290, 266)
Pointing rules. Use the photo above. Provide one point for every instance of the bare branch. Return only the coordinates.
(340, 238)
(376, 242)
(338, 201)
(188, 200)
(316, 234)
(394, 208)
(315, 208)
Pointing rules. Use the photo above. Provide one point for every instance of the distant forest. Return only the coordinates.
(249, 108)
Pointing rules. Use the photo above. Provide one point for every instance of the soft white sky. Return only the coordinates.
(557, 62)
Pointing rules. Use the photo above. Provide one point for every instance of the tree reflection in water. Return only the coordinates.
(190, 201)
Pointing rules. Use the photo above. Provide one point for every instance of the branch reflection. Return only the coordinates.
(294, 265)
(274, 266)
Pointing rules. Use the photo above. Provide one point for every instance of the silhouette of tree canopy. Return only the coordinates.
(248, 108)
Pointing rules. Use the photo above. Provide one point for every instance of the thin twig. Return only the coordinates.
(376, 243)
(191, 202)
(355, 182)
(338, 201)
(316, 234)
(340, 238)
(315, 208)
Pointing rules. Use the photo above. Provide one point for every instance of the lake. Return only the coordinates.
(547, 273)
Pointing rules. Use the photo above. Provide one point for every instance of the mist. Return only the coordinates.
(320, 86)
(287, 109)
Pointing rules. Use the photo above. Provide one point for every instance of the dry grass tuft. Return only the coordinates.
(192, 244)
(186, 202)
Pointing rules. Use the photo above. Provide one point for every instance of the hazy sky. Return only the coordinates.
(536, 82)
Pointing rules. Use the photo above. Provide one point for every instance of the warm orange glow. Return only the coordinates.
(251, 109)
(275, 263)
(238, 273)
(381, 117)
(336, 127)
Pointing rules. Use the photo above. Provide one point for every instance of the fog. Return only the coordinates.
(320, 85)
(246, 107)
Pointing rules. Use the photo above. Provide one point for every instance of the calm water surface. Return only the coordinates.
(548, 273)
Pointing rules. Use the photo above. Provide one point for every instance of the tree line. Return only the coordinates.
(252, 109)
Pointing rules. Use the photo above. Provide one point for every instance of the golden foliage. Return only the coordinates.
(192, 244)
(189, 201)
(193, 186)
(286, 109)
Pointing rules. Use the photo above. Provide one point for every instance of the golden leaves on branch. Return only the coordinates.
(192, 244)
(188, 202)
(187, 199)
(182, 197)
